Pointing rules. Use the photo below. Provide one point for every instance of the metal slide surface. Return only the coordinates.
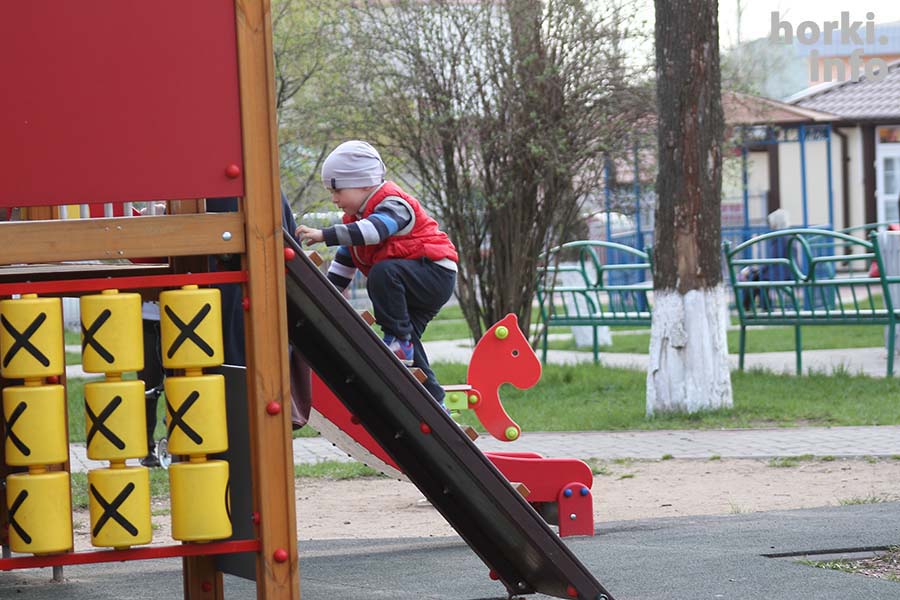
(431, 449)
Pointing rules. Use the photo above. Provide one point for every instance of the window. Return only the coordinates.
(891, 175)
(889, 135)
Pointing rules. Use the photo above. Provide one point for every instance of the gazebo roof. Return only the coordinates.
(745, 109)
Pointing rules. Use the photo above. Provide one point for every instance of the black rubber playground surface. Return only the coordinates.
(656, 559)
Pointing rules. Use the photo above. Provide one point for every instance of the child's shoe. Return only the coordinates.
(151, 460)
(403, 349)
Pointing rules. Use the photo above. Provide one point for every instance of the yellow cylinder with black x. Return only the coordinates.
(201, 507)
(119, 502)
(116, 423)
(191, 328)
(35, 417)
(195, 414)
(112, 333)
(40, 512)
(31, 337)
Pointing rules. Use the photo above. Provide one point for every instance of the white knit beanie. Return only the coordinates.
(353, 164)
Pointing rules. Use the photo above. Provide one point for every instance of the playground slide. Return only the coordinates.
(431, 450)
(554, 486)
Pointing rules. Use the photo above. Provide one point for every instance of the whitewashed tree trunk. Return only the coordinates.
(688, 369)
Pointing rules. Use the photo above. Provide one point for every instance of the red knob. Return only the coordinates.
(53, 379)
(493, 575)
(289, 254)
(273, 408)
(255, 517)
(206, 586)
(245, 304)
(280, 555)
(571, 592)
(233, 171)
(426, 429)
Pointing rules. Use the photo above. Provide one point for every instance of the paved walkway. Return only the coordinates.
(736, 443)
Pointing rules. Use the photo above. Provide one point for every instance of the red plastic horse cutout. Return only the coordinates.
(502, 355)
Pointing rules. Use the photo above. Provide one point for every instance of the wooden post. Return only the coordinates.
(277, 574)
(201, 580)
(199, 575)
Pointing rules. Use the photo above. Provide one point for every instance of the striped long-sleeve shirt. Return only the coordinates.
(392, 215)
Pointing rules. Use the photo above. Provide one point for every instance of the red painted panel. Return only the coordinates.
(117, 100)
(544, 477)
(334, 410)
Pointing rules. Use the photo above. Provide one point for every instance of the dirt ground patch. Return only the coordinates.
(623, 490)
(370, 508)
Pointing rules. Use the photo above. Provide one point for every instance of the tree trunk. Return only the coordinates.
(688, 351)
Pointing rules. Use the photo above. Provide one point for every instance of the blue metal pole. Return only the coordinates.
(802, 131)
(830, 184)
(746, 185)
(608, 195)
(637, 196)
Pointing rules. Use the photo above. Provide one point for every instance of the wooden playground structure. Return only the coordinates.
(116, 103)
(119, 102)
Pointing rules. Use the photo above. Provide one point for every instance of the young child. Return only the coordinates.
(409, 262)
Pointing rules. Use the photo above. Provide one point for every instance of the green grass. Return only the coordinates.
(773, 339)
(450, 313)
(335, 470)
(305, 432)
(786, 462)
(75, 403)
(863, 500)
(446, 329)
(72, 337)
(598, 467)
(736, 509)
(79, 490)
(592, 398)
(882, 566)
(159, 487)
(449, 324)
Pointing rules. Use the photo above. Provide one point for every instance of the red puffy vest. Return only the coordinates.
(424, 241)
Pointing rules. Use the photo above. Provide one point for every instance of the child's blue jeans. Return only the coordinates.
(406, 295)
